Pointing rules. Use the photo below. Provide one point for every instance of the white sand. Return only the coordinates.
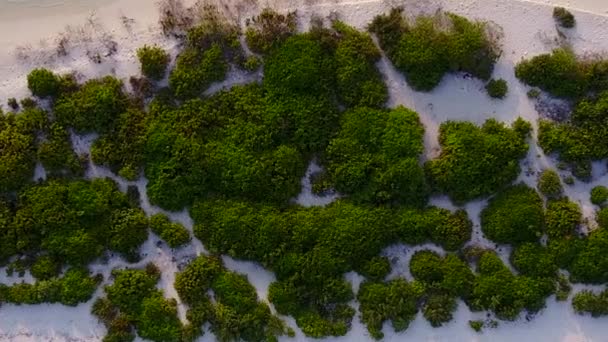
(528, 30)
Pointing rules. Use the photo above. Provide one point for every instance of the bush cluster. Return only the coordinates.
(174, 234)
(431, 46)
(374, 157)
(269, 29)
(549, 184)
(497, 89)
(153, 60)
(133, 303)
(74, 287)
(72, 222)
(588, 302)
(599, 195)
(235, 312)
(458, 171)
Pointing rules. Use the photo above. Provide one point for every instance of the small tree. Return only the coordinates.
(599, 195)
(43, 83)
(497, 88)
(154, 61)
(563, 17)
(549, 184)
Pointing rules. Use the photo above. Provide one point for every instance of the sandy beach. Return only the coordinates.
(29, 35)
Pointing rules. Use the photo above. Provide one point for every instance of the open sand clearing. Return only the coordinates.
(30, 35)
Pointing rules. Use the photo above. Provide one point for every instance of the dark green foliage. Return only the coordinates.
(438, 309)
(210, 47)
(174, 234)
(549, 184)
(236, 313)
(154, 61)
(359, 82)
(376, 269)
(534, 260)
(498, 290)
(561, 73)
(514, 216)
(448, 275)
(73, 221)
(269, 29)
(579, 140)
(497, 88)
(45, 268)
(428, 48)
(599, 195)
(396, 301)
(374, 158)
(18, 149)
(589, 262)
(122, 148)
(133, 302)
(588, 302)
(73, 288)
(57, 154)
(562, 218)
(94, 107)
(563, 17)
(477, 161)
(43, 83)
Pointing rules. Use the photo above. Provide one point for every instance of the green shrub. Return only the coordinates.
(374, 158)
(128, 230)
(459, 171)
(438, 309)
(497, 88)
(563, 17)
(376, 269)
(44, 268)
(94, 107)
(425, 50)
(514, 216)
(174, 234)
(599, 195)
(269, 29)
(549, 184)
(588, 302)
(476, 325)
(43, 83)
(562, 218)
(534, 260)
(589, 262)
(57, 155)
(395, 301)
(153, 60)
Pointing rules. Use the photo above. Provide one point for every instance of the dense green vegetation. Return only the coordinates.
(427, 48)
(132, 303)
(235, 160)
(497, 89)
(154, 61)
(458, 171)
(588, 302)
(374, 157)
(599, 195)
(235, 313)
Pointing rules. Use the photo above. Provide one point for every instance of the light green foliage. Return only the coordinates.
(514, 216)
(94, 107)
(396, 301)
(498, 290)
(44, 268)
(549, 184)
(476, 325)
(374, 158)
(269, 29)
(18, 149)
(588, 302)
(563, 17)
(43, 83)
(174, 234)
(562, 218)
(497, 89)
(599, 195)
(477, 161)
(376, 269)
(236, 312)
(153, 60)
(431, 46)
